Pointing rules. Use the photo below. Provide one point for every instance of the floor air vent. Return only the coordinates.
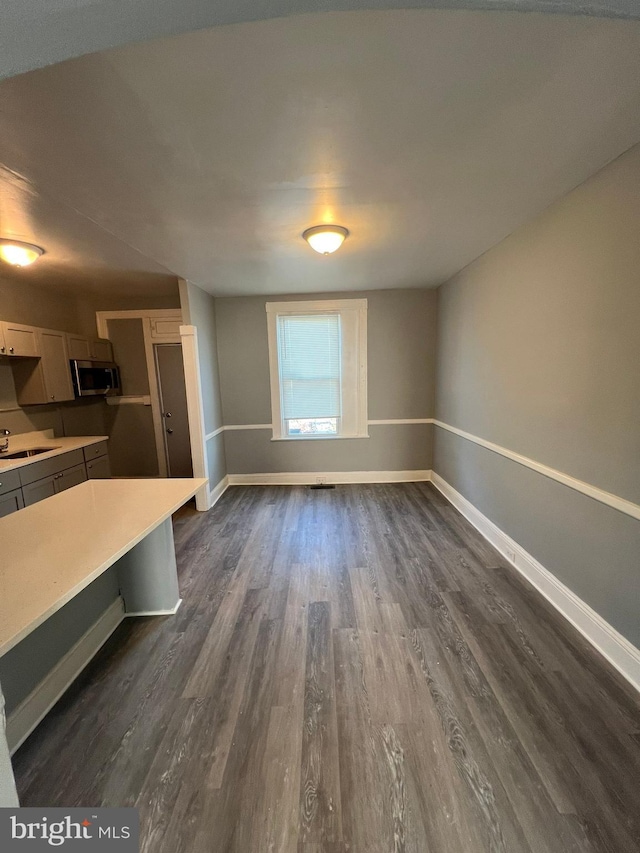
(322, 486)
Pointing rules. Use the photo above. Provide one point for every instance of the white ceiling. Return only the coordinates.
(35, 33)
(430, 134)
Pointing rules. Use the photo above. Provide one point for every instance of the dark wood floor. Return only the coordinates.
(351, 670)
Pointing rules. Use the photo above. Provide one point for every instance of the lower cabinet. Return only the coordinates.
(11, 502)
(38, 491)
(99, 469)
(71, 477)
(51, 476)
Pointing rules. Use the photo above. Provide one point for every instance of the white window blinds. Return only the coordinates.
(310, 365)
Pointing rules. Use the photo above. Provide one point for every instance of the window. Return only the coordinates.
(318, 364)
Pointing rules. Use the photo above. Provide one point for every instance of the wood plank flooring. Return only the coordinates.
(352, 671)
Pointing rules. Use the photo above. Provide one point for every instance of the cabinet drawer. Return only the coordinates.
(11, 502)
(95, 450)
(99, 469)
(9, 480)
(39, 490)
(70, 477)
(48, 467)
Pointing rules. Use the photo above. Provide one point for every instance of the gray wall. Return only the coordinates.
(539, 352)
(199, 310)
(401, 358)
(89, 304)
(22, 302)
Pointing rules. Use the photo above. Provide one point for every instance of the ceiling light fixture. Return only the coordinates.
(325, 239)
(19, 254)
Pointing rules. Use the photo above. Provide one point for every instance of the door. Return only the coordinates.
(173, 403)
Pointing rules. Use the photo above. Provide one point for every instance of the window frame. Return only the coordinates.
(353, 318)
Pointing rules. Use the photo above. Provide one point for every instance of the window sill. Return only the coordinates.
(318, 437)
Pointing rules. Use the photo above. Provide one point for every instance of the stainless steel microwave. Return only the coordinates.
(95, 378)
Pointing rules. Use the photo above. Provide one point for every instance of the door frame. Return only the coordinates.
(150, 337)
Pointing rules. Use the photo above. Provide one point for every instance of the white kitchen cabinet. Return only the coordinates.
(101, 350)
(78, 347)
(89, 349)
(55, 365)
(18, 340)
(47, 379)
(165, 328)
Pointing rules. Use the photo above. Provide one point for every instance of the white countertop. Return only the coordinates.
(28, 440)
(51, 551)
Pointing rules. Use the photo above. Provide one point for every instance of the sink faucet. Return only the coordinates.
(4, 440)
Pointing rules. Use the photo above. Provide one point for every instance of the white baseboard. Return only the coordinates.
(303, 478)
(170, 612)
(23, 720)
(218, 491)
(620, 653)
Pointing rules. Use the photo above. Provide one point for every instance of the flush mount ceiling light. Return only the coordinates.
(325, 239)
(19, 254)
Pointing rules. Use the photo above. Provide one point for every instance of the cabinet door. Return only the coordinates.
(163, 328)
(9, 480)
(78, 347)
(20, 340)
(70, 477)
(39, 490)
(11, 502)
(101, 350)
(55, 366)
(99, 469)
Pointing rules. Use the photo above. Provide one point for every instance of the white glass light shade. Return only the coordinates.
(325, 239)
(19, 254)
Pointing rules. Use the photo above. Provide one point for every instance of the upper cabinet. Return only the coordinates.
(18, 340)
(78, 347)
(163, 328)
(40, 360)
(48, 378)
(101, 350)
(86, 349)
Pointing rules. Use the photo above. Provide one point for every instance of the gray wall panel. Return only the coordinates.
(22, 668)
(591, 548)
(539, 344)
(539, 352)
(401, 328)
(202, 313)
(402, 447)
(217, 459)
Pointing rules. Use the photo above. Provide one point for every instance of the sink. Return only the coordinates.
(24, 454)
